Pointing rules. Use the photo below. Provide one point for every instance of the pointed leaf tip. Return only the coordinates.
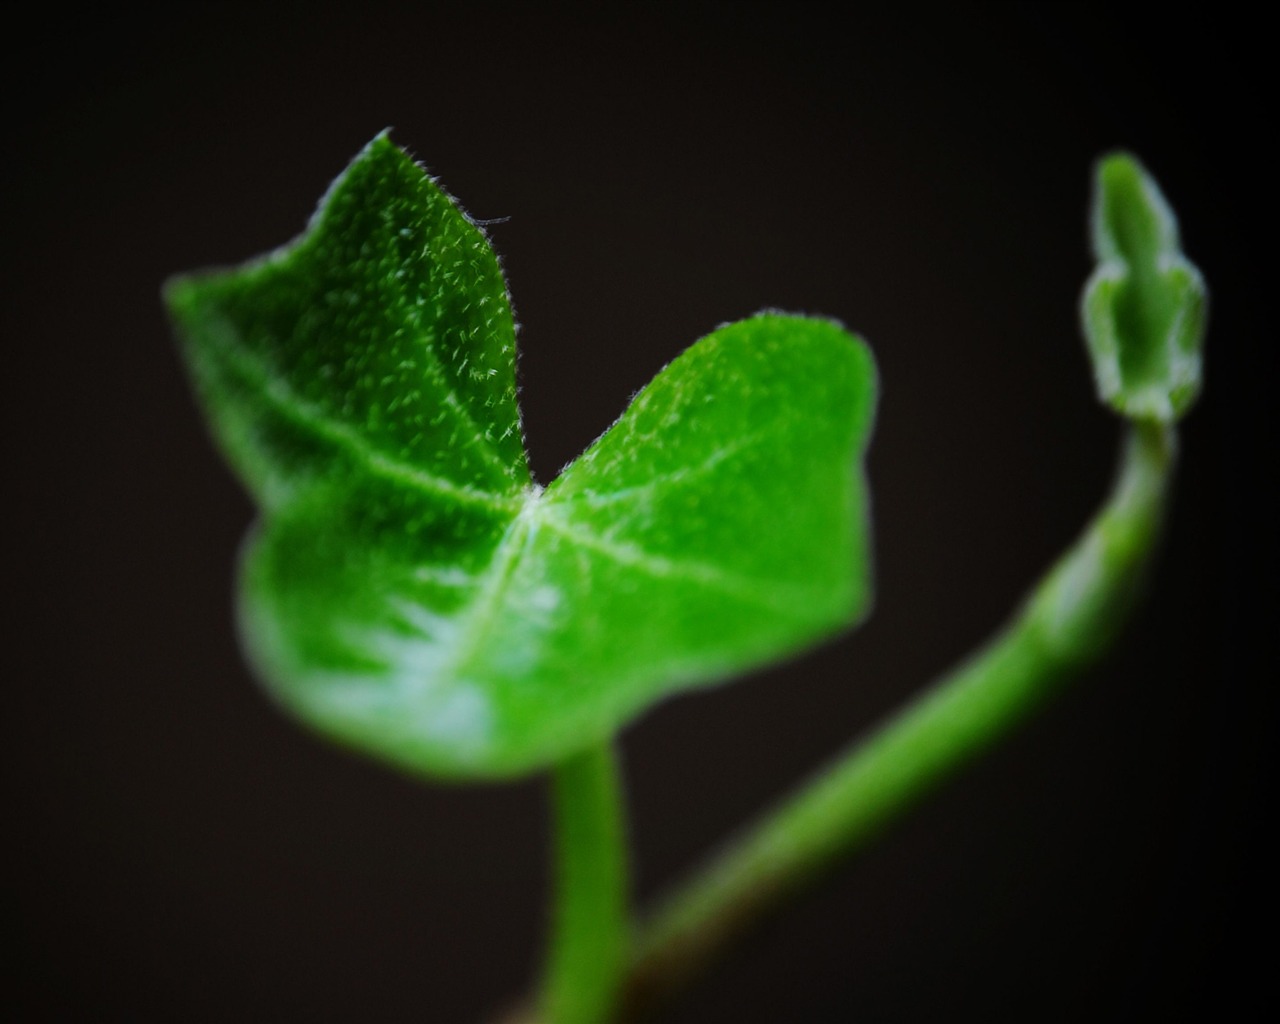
(1144, 307)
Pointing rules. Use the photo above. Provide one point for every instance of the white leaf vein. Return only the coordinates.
(277, 393)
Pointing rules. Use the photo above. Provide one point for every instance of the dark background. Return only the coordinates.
(179, 851)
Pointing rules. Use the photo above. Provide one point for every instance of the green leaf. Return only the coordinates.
(1144, 307)
(411, 592)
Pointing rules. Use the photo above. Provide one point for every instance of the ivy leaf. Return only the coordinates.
(1144, 306)
(410, 591)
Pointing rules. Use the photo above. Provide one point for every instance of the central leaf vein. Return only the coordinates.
(670, 479)
(777, 597)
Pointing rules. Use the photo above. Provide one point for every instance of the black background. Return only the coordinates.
(178, 851)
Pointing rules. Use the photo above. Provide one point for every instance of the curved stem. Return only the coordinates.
(590, 928)
(1066, 621)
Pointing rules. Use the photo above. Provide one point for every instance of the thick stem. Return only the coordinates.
(1066, 621)
(590, 927)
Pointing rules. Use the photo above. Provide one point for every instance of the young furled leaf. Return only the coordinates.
(411, 591)
(1144, 307)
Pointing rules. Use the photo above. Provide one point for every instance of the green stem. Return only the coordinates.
(590, 928)
(1066, 621)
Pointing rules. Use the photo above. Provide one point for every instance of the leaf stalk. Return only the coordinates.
(590, 928)
(1065, 623)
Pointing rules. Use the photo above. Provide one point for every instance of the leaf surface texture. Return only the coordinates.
(410, 591)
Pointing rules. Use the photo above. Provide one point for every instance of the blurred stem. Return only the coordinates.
(1066, 621)
(590, 927)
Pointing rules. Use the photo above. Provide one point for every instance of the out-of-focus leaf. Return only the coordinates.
(1144, 307)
